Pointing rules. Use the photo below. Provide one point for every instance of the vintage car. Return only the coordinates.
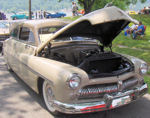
(72, 65)
(55, 15)
(132, 13)
(21, 15)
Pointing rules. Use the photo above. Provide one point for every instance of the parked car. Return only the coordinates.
(55, 15)
(69, 65)
(19, 16)
(4, 32)
(132, 13)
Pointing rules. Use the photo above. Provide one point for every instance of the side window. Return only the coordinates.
(27, 35)
(14, 33)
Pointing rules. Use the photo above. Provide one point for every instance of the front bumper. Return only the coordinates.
(109, 102)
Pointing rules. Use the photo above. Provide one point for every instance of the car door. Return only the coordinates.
(26, 48)
(10, 49)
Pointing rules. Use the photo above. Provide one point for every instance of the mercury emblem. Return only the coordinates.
(120, 85)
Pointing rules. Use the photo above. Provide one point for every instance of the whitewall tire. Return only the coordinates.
(48, 97)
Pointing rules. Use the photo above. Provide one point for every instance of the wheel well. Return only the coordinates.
(40, 84)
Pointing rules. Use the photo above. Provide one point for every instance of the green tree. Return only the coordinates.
(123, 4)
(90, 5)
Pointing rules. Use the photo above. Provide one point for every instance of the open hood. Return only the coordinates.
(104, 23)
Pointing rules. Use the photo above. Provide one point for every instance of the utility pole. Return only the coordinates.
(30, 14)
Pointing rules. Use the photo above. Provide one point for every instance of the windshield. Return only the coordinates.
(46, 32)
(76, 38)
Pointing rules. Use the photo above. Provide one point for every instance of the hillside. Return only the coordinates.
(22, 5)
(52, 5)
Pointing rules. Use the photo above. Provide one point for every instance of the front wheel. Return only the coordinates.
(48, 97)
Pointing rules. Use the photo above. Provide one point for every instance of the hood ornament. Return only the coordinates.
(120, 85)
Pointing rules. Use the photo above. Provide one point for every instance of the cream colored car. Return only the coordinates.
(67, 63)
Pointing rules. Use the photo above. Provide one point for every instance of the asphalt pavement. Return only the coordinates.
(17, 100)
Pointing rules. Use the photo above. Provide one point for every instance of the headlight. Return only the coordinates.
(74, 81)
(143, 68)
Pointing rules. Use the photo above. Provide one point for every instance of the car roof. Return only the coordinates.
(42, 23)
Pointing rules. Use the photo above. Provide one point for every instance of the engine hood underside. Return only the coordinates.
(105, 24)
(104, 32)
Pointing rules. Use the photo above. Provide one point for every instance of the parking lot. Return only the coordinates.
(17, 100)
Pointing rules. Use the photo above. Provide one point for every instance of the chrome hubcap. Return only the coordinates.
(48, 96)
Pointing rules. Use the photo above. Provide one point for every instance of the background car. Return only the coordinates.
(132, 13)
(19, 16)
(56, 15)
(4, 32)
(72, 65)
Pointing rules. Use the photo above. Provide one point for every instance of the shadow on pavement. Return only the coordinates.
(33, 94)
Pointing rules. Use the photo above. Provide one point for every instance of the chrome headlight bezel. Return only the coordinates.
(74, 81)
(143, 68)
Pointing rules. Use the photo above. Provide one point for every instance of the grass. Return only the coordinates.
(147, 80)
(71, 18)
(137, 48)
(144, 55)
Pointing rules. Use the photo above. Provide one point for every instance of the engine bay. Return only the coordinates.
(92, 59)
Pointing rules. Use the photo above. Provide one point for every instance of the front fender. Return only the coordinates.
(136, 61)
(56, 72)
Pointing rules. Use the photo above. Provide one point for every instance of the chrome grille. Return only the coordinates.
(98, 91)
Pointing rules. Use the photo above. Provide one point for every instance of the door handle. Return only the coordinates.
(27, 46)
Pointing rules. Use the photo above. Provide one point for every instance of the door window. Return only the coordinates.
(27, 35)
(14, 32)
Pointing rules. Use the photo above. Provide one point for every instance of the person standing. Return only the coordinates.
(76, 9)
(36, 14)
(44, 14)
(73, 8)
(39, 15)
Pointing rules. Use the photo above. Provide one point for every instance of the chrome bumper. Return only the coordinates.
(108, 103)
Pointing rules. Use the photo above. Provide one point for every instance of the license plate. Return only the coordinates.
(121, 101)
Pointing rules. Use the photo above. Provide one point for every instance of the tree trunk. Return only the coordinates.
(87, 5)
(30, 15)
